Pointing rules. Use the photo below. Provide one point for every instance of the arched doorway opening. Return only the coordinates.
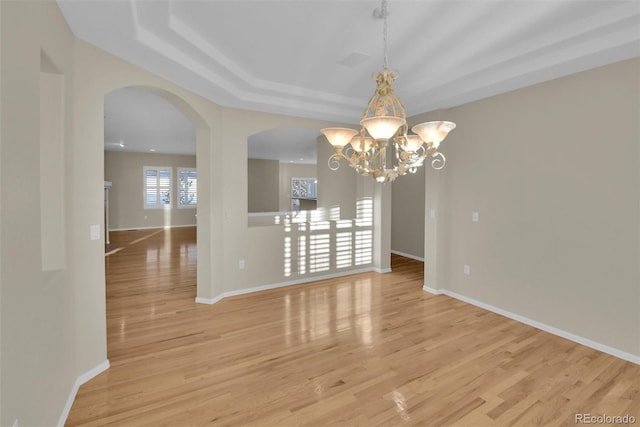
(153, 140)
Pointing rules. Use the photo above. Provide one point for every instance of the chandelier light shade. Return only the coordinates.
(383, 148)
(339, 137)
(361, 144)
(433, 132)
(382, 127)
(412, 143)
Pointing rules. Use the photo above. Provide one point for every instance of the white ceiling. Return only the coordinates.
(290, 145)
(144, 122)
(315, 58)
(139, 121)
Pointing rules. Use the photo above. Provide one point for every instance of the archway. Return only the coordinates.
(197, 172)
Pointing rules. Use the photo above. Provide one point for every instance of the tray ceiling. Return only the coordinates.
(315, 58)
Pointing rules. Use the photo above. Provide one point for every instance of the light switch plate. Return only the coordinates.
(95, 232)
(475, 216)
(467, 270)
(433, 214)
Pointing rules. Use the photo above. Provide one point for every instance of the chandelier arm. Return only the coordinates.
(348, 152)
(358, 161)
(352, 157)
(334, 161)
(438, 161)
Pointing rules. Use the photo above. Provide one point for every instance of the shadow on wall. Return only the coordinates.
(319, 246)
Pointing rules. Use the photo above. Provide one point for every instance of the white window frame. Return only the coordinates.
(158, 205)
(179, 190)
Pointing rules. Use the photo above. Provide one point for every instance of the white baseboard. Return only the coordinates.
(76, 386)
(432, 291)
(417, 258)
(280, 285)
(538, 325)
(152, 228)
(382, 270)
(209, 301)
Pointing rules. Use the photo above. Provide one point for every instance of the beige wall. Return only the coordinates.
(39, 361)
(263, 185)
(553, 170)
(407, 213)
(338, 190)
(1, 223)
(126, 210)
(52, 193)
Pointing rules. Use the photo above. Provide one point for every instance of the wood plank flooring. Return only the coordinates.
(363, 350)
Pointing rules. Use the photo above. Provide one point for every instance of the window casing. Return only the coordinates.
(157, 187)
(187, 188)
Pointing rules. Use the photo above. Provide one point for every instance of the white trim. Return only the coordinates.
(76, 386)
(152, 228)
(280, 285)
(432, 290)
(209, 301)
(382, 270)
(538, 325)
(417, 258)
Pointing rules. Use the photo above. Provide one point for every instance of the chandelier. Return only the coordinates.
(384, 131)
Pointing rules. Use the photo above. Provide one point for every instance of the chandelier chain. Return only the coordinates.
(385, 15)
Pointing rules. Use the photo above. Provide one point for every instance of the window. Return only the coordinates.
(187, 188)
(157, 187)
(304, 188)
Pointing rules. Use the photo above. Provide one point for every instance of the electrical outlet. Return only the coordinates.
(467, 269)
(241, 264)
(475, 216)
(433, 214)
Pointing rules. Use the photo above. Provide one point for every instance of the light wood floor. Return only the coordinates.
(367, 349)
